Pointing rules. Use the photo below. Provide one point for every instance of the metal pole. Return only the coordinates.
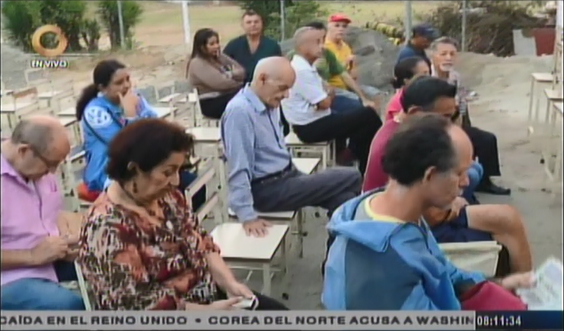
(121, 27)
(407, 21)
(186, 22)
(464, 22)
(282, 20)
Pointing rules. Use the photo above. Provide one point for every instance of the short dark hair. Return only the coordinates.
(250, 12)
(405, 70)
(317, 25)
(147, 143)
(424, 91)
(422, 141)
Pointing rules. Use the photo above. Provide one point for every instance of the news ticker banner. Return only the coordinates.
(275, 320)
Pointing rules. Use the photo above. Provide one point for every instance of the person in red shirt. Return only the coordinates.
(406, 70)
(462, 223)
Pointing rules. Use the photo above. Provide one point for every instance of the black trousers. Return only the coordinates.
(214, 107)
(358, 125)
(485, 149)
(264, 302)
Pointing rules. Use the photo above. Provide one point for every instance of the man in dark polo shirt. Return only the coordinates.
(253, 46)
(422, 36)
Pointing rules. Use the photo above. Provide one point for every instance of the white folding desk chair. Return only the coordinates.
(552, 97)
(324, 150)
(539, 82)
(73, 127)
(552, 150)
(297, 217)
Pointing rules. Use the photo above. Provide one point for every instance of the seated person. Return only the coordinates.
(384, 256)
(461, 223)
(252, 46)
(329, 68)
(141, 247)
(261, 175)
(345, 85)
(38, 246)
(104, 108)
(404, 71)
(308, 110)
(444, 55)
(216, 76)
(422, 35)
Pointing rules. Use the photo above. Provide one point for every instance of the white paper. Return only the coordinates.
(547, 291)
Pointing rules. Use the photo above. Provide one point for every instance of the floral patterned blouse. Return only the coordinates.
(131, 264)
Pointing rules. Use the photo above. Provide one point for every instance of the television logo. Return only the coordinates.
(49, 60)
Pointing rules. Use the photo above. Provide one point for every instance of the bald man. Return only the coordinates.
(262, 177)
(37, 250)
(384, 256)
(308, 106)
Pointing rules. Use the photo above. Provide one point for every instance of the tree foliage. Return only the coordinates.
(108, 12)
(489, 25)
(297, 13)
(22, 18)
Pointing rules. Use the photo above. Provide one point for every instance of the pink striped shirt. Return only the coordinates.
(29, 213)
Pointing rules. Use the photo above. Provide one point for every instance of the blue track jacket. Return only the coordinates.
(386, 265)
(101, 121)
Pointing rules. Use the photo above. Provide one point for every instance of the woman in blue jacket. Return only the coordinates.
(103, 109)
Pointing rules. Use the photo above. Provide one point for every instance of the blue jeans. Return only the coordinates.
(342, 103)
(43, 294)
(475, 174)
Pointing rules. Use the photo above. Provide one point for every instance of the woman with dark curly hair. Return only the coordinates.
(141, 248)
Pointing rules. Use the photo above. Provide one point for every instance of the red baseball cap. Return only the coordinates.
(339, 18)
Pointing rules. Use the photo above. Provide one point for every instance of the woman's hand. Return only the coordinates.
(520, 280)
(129, 102)
(238, 290)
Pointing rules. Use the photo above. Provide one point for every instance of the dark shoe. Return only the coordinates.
(491, 188)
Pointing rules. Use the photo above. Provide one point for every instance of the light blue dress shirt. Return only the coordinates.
(254, 147)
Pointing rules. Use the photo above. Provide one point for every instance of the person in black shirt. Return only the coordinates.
(422, 36)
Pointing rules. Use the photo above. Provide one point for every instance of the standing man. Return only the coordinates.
(37, 249)
(253, 46)
(261, 174)
(422, 36)
(334, 41)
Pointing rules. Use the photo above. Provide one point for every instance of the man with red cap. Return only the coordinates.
(337, 25)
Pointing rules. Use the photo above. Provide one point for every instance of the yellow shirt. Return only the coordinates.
(342, 52)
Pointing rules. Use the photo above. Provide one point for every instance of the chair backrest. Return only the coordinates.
(149, 93)
(164, 90)
(85, 291)
(481, 256)
(182, 86)
(64, 96)
(208, 176)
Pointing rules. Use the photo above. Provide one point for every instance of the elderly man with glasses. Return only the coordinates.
(38, 242)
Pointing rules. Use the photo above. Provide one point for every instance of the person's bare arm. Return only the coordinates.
(13, 259)
(352, 84)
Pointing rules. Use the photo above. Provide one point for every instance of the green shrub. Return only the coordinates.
(22, 18)
(108, 11)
